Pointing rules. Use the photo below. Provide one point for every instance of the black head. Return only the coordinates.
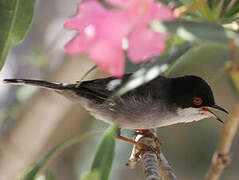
(193, 91)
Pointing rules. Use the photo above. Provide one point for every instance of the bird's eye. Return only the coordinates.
(197, 101)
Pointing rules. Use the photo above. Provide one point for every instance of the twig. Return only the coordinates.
(220, 7)
(154, 168)
(165, 169)
(221, 158)
(234, 52)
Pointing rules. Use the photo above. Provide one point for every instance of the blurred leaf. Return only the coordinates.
(206, 13)
(33, 172)
(50, 175)
(207, 60)
(213, 3)
(105, 153)
(16, 18)
(187, 2)
(233, 9)
(25, 173)
(196, 31)
(93, 175)
(152, 70)
(130, 66)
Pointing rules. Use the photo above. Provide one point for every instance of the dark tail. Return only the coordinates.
(43, 84)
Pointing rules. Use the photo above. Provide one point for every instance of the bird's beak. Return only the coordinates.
(219, 108)
(213, 114)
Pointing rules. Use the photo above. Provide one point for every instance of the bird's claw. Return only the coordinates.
(143, 148)
(148, 133)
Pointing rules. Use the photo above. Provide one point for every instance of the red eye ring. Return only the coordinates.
(197, 101)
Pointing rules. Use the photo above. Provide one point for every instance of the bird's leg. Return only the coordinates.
(119, 137)
(142, 147)
(148, 133)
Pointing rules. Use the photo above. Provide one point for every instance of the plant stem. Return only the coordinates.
(221, 158)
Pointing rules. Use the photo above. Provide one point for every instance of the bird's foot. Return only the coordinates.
(145, 148)
(141, 146)
(148, 133)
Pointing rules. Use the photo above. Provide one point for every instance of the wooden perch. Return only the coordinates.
(153, 167)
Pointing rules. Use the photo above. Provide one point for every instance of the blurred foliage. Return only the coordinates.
(32, 173)
(105, 154)
(16, 18)
(93, 175)
(210, 57)
(50, 175)
(101, 166)
(216, 11)
(196, 31)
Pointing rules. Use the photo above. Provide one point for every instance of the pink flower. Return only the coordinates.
(102, 31)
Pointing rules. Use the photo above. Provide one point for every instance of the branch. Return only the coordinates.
(221, 158)
(154, 168)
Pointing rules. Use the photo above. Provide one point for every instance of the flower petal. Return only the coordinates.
(145, 44)
(102, 32)
(161, 12)
(89, 12)
(114, 27)
(109, 59)
(76, 45)
(144, 11)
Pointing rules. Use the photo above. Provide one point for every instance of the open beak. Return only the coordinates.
(215, 107)
(219, 108)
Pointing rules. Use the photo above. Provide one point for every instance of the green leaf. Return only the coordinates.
(230, 8)
(196, 31)
(16, 18)
(32, 173)
(187, 2)
(50, 175)
(105, 154)
(93, 175)
(152, 70)
(207, 60)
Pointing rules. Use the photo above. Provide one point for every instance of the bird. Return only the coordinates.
(160, 102)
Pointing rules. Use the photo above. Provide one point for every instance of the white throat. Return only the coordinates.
(183, 115)
(191, 114)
